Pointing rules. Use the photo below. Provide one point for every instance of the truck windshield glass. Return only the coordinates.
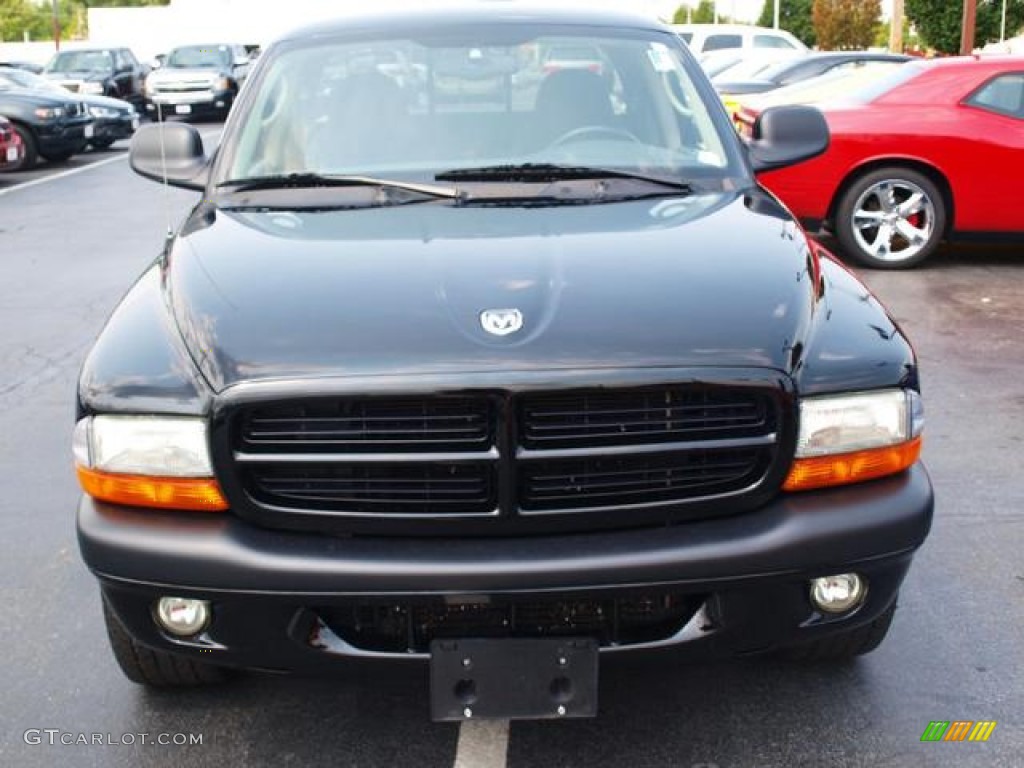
(199, 57)
(82, 61)
(418, 107)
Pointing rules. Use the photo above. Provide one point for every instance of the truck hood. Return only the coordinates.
(717, 280)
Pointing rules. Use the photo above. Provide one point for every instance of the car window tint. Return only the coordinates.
(719, 42)
(771, 41)
(1004, 94)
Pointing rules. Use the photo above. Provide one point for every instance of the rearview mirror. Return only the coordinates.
(785, 136)
(171, 151)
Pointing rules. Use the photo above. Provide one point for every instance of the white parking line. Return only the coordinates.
(63, 174)
(482, 744)
(83, 169)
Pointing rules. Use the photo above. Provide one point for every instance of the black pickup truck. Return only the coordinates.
(496, 369)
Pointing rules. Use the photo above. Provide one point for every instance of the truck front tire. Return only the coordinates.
(156, 669)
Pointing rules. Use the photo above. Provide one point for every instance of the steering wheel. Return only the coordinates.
(594, 131)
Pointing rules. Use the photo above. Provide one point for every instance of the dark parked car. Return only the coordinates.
(501, 383)
(28, 66)
(197, 81)
(801, 68)
(51, 125)
(113, 72)
(113, 119)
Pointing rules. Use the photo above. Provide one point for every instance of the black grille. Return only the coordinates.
(643, 416)
(371, 424)
(619, 481)
(630, 456)
(410, 627)
(379, 489)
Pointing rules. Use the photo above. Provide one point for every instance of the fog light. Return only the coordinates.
(183, 616)
(838, 594)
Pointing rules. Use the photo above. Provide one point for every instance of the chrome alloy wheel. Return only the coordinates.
(893, 220)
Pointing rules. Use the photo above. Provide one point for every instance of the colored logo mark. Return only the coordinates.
(958, 730)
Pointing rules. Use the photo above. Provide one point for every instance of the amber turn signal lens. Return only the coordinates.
(847, 468)
(188, 493)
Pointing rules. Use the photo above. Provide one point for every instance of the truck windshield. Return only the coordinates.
(82, 61)
(199, 57)
(475, 98)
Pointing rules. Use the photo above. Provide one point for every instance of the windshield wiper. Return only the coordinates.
(311, 180)
(547, 172)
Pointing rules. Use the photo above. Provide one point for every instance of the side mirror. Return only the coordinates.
(785, 136)
(177, 155)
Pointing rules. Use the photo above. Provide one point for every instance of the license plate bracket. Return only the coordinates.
(513, 678)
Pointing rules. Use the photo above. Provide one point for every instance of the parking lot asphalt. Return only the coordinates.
(71, 245)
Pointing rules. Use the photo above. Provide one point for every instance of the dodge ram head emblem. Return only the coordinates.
(501, 322)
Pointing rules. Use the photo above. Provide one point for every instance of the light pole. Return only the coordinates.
(1002, 24)
(775, 19)
(968, 27)
(56, 26)
(896, 27)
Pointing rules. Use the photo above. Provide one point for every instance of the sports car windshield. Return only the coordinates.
(480, 99)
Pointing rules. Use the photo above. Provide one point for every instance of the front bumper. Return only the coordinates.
(115, 128)
(747, 574)
(61, 136)
(190, 104)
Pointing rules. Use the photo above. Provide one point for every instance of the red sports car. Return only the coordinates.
(11, 149)
(933, 151)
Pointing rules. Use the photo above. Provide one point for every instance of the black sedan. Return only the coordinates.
(51, 125)
(28, 66)
(113, 119)
(801, 68)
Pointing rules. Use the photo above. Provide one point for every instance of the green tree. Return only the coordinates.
(705, 13)
(794, 17)
(23, 18)
(120, 3)
(911, 41)
(939, 22)
(845, 24)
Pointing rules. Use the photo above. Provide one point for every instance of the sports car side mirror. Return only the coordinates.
(785, 136)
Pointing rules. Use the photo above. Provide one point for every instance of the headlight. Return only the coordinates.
(851, 438)
(49, 113)
(103, 112)
(223, 84)
(150, 461)
(92, 87)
